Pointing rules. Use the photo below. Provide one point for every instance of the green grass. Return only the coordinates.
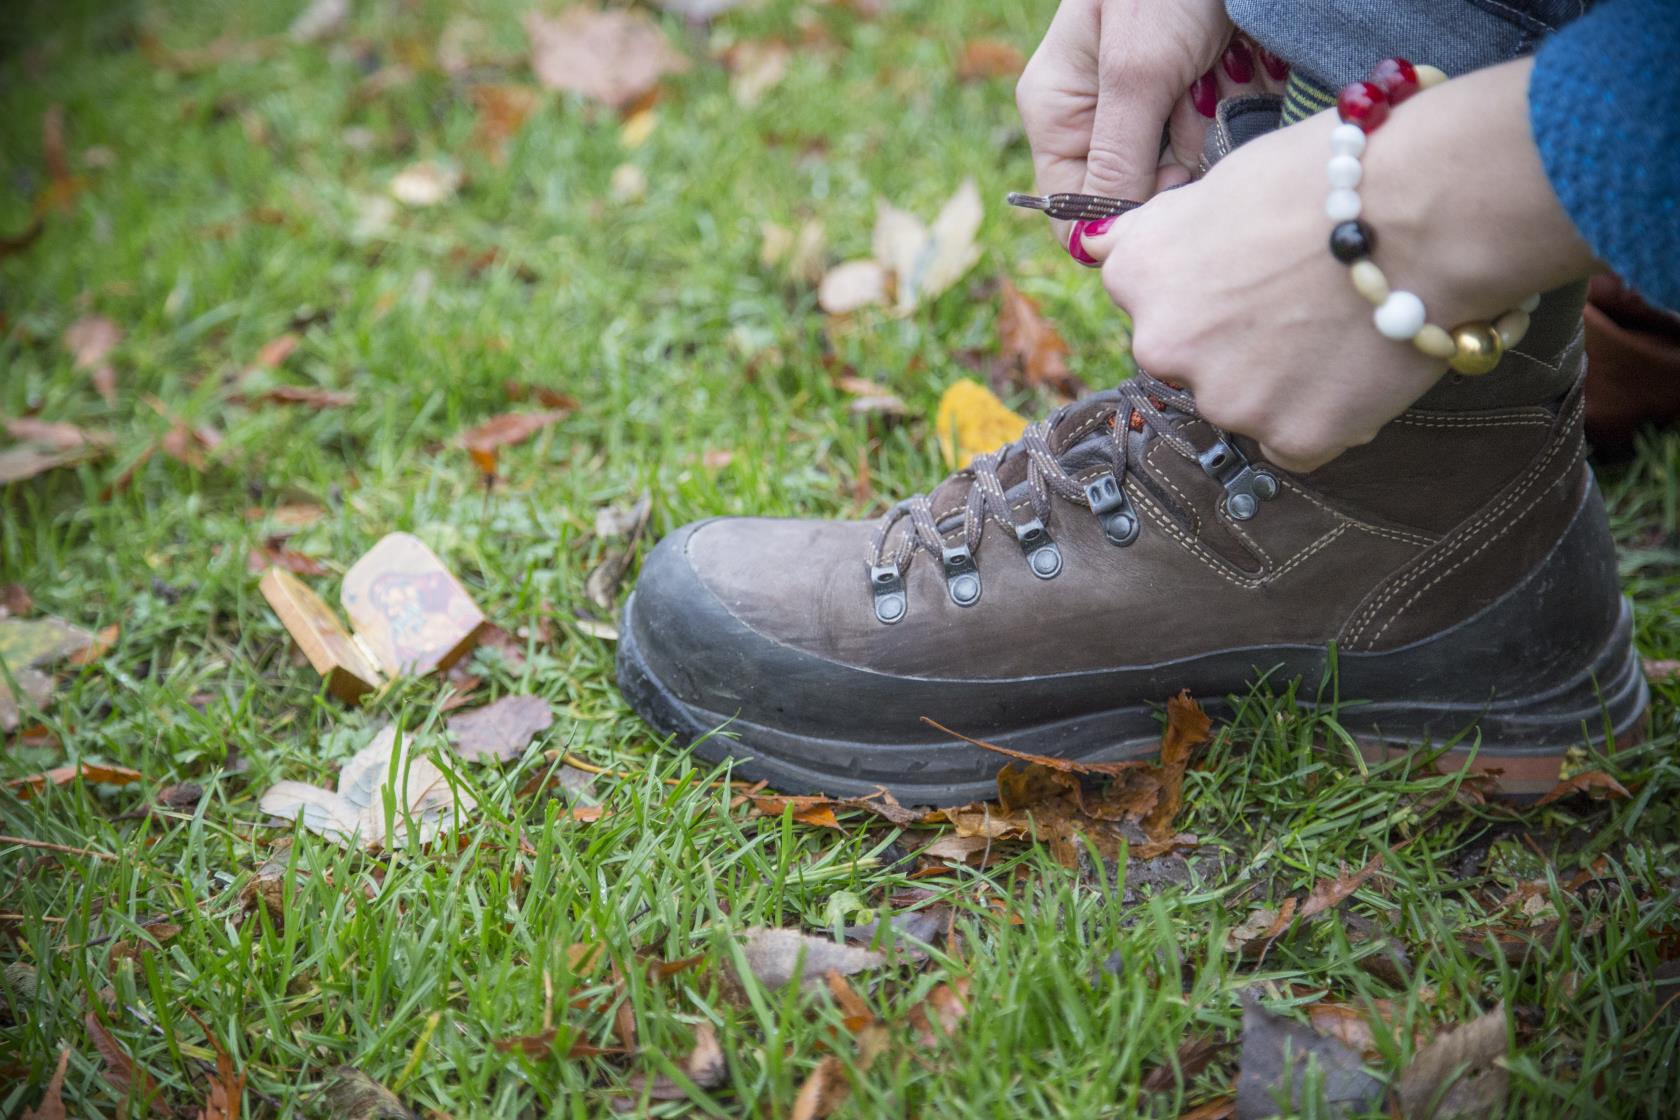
(660, 319)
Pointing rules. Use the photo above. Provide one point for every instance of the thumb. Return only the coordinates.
(1131, 114)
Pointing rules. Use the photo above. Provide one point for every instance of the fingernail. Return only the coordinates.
(1204, 94)
(1076, 249)
(1275, 66)
(1238, 62)
(1097, 227)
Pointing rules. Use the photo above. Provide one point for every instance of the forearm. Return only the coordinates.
(1463, 210)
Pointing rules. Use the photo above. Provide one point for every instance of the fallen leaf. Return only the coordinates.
(322, 19)
(426, 183)
(936, 1018)
(56, 434)
(314, 396)
(541, 1044)
(756, 66)
(1262, 926)
(502, 112)
(628, 183)
(972, 421)
(927, 260)
(614, 56)
(15, 601)
(275, 351)
(825, 1090)
(547, 396)
(28, 460)
(704, 1065)
(93, 772)
(852, 286)
(91, 339)
(501, 730)
(285, 520)
(274, 555)
(1032, 345)
(26, 647)
(52, 1098)
(1276, 1053)
(989, 58)
(1658, 672)
(227, 1085)
(1188, 727)
(780, 957)
(798, 253)
(353, 1095)
(1458, 1073)
(485, 440)
(1595, 782)
(926, 926)
(355, 812)
(120, 1071)
(1193, 1055)
(637, 128)
(99, 647)
(1217, 1109)
(604, 579)
(1330, 893)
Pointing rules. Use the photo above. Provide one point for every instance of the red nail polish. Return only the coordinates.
(1204, 94)
(1077, 250)
(1098, 227)
(1238, 62)
(1275, 66)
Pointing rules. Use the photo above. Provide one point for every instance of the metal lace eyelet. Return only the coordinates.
(1245, 487)
(1043, 557)
(887, 583)
(962, 576)
(1109, 502)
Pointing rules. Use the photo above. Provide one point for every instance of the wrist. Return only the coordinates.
(1464, 213)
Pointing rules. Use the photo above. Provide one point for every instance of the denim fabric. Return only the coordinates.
(1333, 42)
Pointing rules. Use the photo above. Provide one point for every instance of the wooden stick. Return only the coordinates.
(65, 848)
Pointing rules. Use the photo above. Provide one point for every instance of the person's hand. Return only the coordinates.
(1109, 78)
(1233, 292)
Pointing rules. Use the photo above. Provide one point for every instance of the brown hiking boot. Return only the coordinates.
(1455, 573)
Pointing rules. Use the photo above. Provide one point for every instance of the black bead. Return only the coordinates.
(1352, 241)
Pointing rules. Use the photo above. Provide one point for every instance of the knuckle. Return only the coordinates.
(1108, 167)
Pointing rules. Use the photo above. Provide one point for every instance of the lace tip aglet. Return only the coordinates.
(1027, 201)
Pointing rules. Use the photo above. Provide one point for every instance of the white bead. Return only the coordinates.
(1429, 76)
(1347, 140)
(1343, 171)
(1530, 303)
(1342, 205)
(1400, 317)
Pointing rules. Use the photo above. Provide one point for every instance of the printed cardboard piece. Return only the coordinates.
(407, 609)
(408, 615)
(350, 673)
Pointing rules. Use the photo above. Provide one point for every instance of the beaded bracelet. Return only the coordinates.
(1471, 348)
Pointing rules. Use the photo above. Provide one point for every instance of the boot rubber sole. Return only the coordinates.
(1556, 652)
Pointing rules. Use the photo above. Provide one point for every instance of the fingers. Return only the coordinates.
(1304, 462)
(1135, 95)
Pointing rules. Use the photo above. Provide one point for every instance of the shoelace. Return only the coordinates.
(1141, 405)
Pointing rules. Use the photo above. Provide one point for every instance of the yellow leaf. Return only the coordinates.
(636, 130)
(972, 421)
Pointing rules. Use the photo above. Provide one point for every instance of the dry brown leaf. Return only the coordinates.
(1188, 727)
(822, 1092)
(756, 66)
(500, 730)
(92, 772)
(1194, 1054)
(1594, 782)
(1032, 345)
(705, 1066)
(628, 522)
(1457, 1074)
(276, 350)
(484, 440)
(989, 58)
(52, 1098)
(1220, 1108)
(315, 396)
(937, 1018)
(56, 434)
(614, 56)
(99, 647)
(520, 391)
(502, 112)
(91, 339)
(15, 601)
(1330, 893)
(1276, 1053)
(120, 1071)
(25, 461)
(275, 555)
(353, 1095)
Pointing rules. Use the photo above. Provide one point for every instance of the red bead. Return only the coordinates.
(1396, 77)
(1363, 104)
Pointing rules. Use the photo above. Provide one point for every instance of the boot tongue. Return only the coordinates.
(1077, 437)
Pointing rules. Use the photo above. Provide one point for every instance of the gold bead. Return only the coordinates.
(1369, 281)
(1435, 342)
(1429, 76)
(1511, 327)
(1477, 348)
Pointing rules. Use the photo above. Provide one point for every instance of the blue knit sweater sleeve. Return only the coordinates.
(1604, 104)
